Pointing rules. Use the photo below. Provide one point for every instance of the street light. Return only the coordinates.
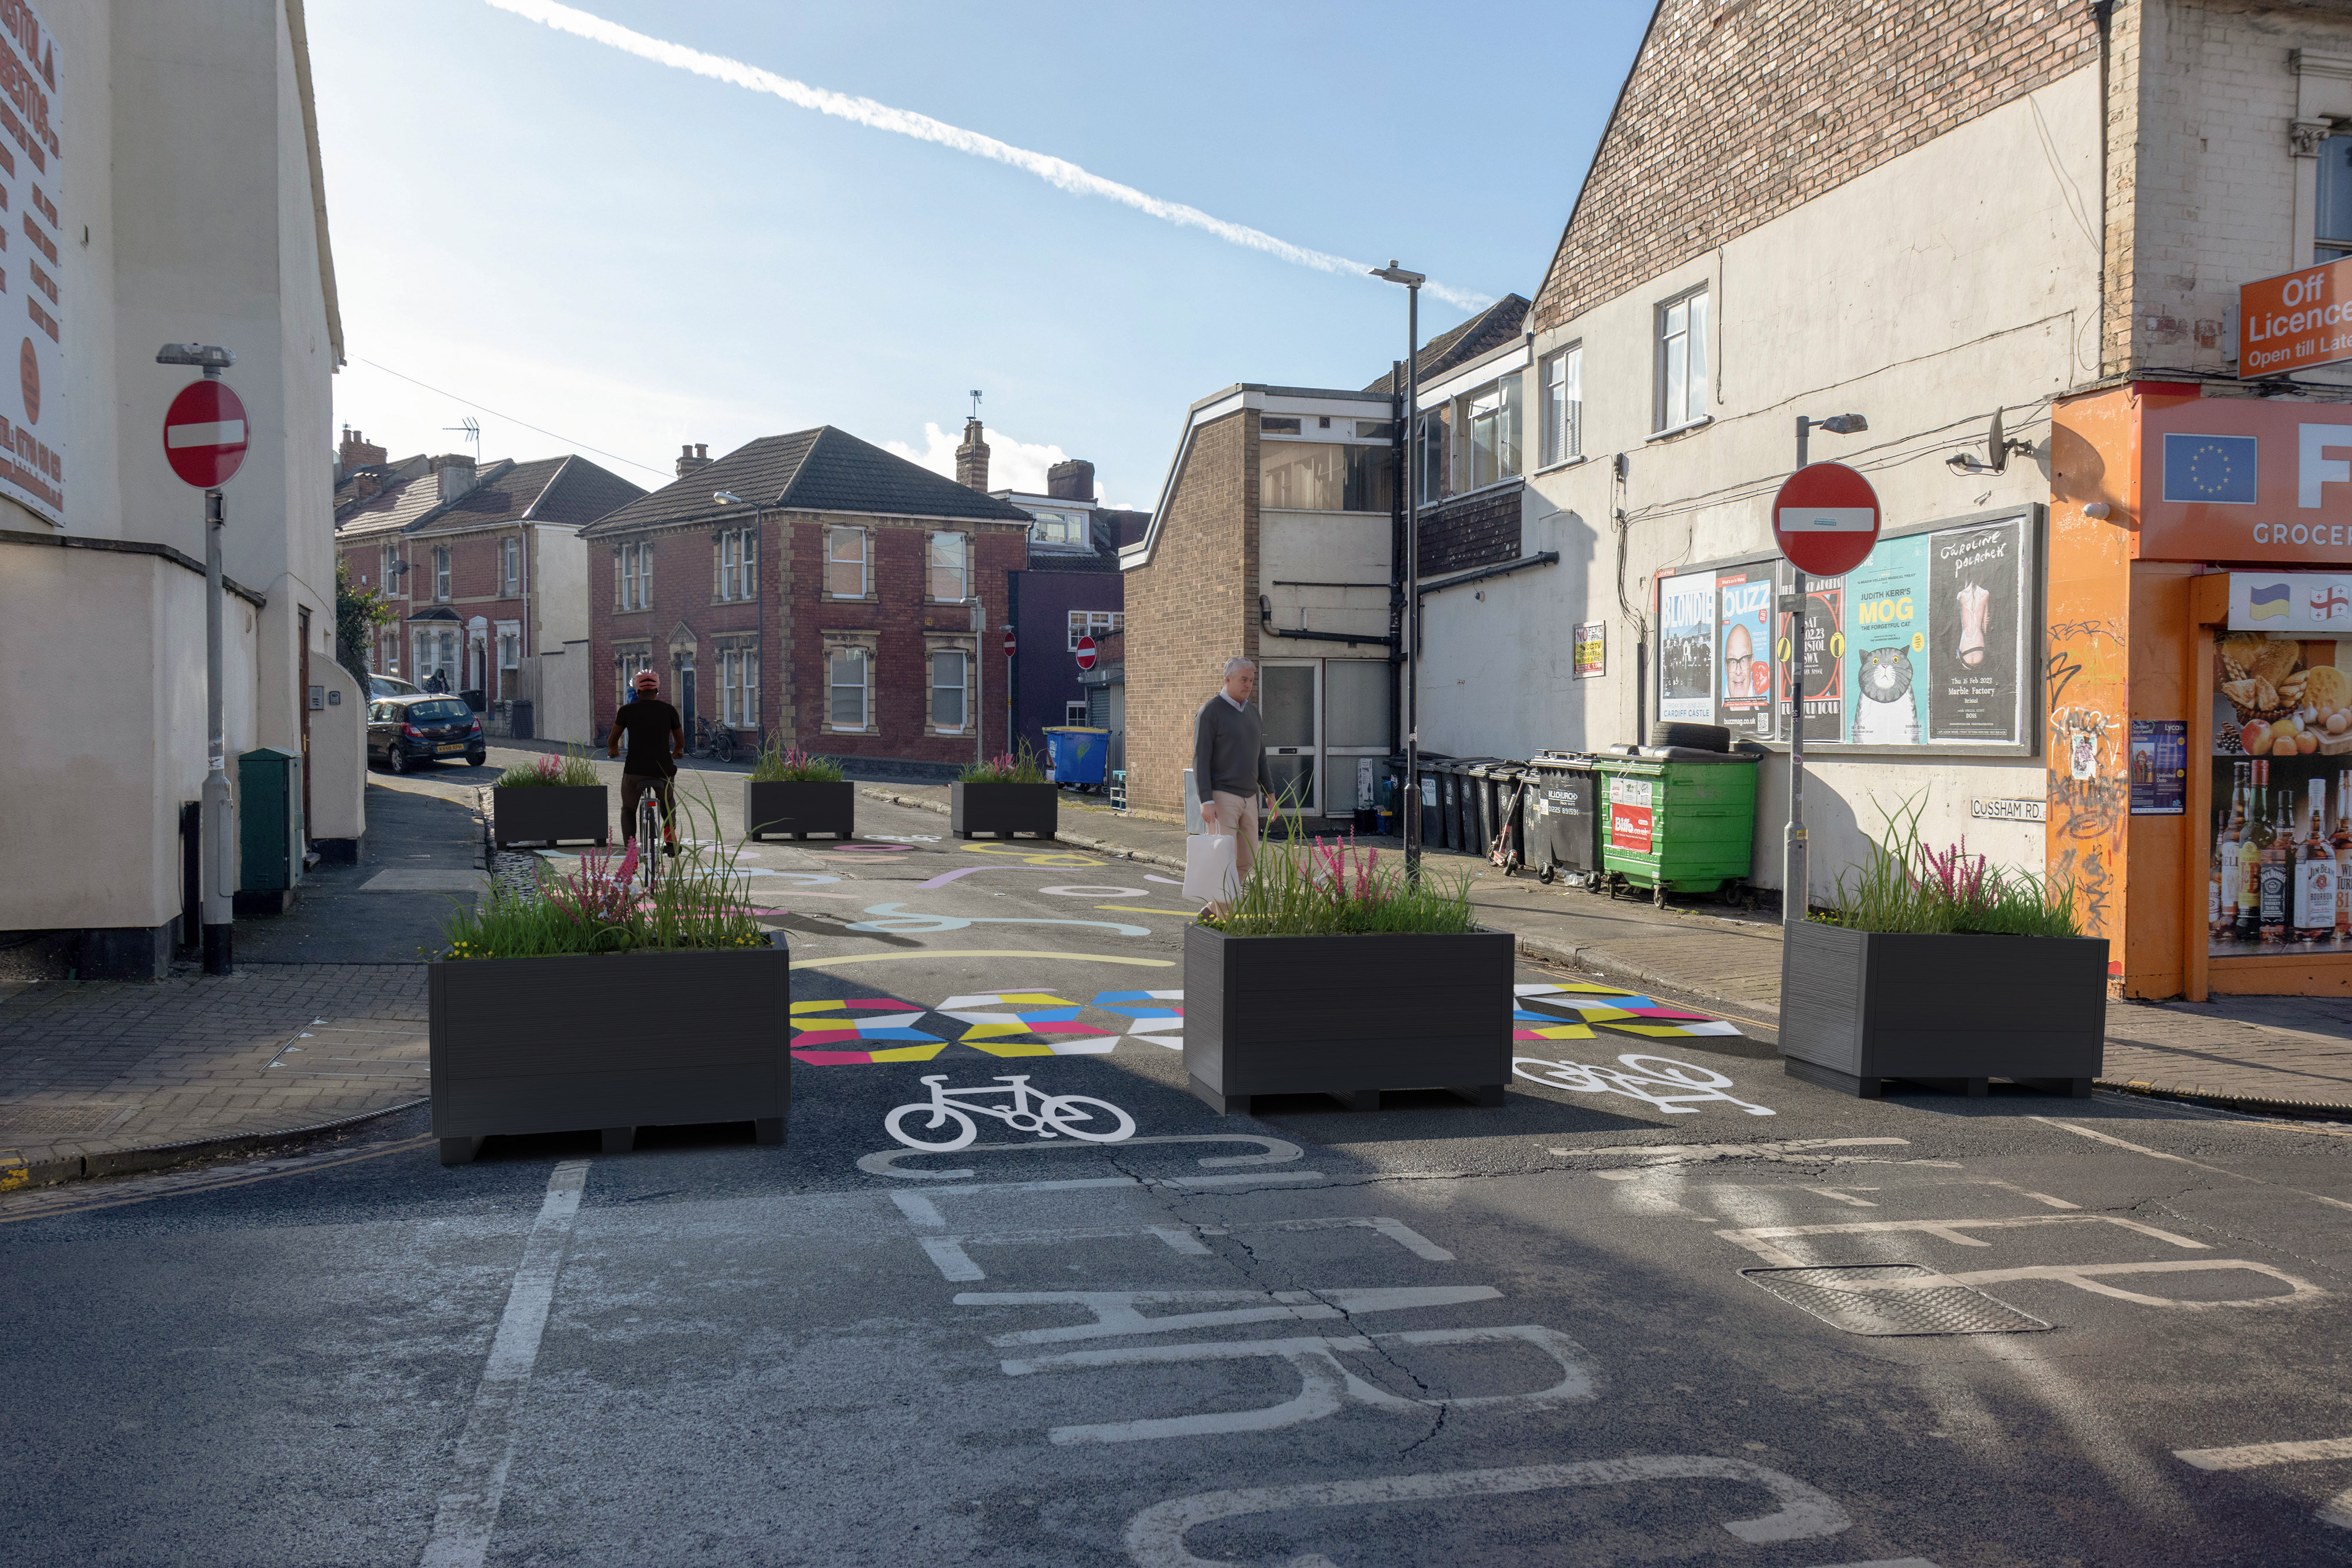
(1413, 281)
(1796, 888)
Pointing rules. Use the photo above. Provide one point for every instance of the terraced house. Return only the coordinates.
(816, 590)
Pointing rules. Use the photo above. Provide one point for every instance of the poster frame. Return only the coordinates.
(2035, 570)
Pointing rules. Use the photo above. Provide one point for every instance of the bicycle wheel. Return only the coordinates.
(649, 844)
(941, 1115)
(722, 745)
(1066, 1111)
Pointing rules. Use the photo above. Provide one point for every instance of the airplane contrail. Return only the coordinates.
(1058, 172)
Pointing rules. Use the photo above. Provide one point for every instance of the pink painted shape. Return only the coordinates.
(834, 1058)
(946, 877)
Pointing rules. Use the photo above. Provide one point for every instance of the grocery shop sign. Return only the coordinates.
(2295, 320)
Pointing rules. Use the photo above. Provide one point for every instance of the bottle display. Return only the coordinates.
(2249, 853)
(2274, 895)
(2315, 874)
(2226, 840)
(2341, 842)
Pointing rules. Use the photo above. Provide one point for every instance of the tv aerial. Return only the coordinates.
(470, 429)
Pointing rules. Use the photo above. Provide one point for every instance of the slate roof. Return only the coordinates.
(822, 470)
(563, 490)
(390, 510)
(1497, 324)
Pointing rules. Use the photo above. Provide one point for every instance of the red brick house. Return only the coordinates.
(485, 567)
(815, 589)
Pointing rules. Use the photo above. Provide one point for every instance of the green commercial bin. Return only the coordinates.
(1678, 821)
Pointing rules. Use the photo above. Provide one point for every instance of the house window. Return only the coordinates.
(510, 567)
(1059, 529)
(948, 573)
(1274, 424)
(845, 562)
(1435, 427)
(739, 687)
(441, 572)
(1491, 417)
(1074, 713)
(624, 670)
(2332, 238)
(1560, 380)
(747, 550)
(849, 677)
(1682, 360)
(731, 564)
(1095, 624)
(509, 649)
(950, 674)
(1324, 477)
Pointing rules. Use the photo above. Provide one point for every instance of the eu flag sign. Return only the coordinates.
(2218, 470)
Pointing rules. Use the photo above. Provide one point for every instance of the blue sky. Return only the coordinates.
(634, 256)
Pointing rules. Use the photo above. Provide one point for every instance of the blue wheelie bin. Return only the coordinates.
(1079, 755)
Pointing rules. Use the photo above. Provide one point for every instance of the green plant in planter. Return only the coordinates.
(1018, 767)
(599, 907)
(779, 764)
(1902, 885)
(573, 767)
(1301, 888)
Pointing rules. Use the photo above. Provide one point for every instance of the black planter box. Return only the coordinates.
(613, 1041)
(1004, 810)
(549, 814)
(1858, 1008)
(1346, 1016)
(795, 808)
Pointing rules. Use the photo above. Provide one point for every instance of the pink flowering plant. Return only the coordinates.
(1333, 887)
(1905, 885)
(780, 764)
(570, 768)
(1017, 767)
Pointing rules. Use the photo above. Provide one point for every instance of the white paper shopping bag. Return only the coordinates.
(1209, 867)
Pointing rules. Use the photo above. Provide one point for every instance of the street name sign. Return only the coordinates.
(1825, 519)
(1086, 653)
(204, 433)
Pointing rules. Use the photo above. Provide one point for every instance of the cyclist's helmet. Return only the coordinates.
(646, 683)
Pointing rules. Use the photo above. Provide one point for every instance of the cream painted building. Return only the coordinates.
(176, 197)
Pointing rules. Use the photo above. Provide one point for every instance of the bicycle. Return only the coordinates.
(713, 740)
(1054, 1115)
(650, 823)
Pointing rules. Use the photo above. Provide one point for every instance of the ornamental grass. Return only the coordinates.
(1319, 887)
(1902, 886)
(780, 763)
(1017, 767)
(600, 906)
(572, 767)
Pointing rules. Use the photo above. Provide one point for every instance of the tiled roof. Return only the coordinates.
(560, 490)
(1490, 328)
(389, 510)
(822, 470)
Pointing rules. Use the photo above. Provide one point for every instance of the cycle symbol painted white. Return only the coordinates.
(949, 1126)
(1639, 1077)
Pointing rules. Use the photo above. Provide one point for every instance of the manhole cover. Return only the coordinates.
(1893, 1299)
(55, 1118)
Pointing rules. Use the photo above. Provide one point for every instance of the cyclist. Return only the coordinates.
(657, 739)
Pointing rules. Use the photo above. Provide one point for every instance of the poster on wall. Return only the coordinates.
(1591, 656)
(1975, 631)
(33, 428)
(1744, 704)
(2159, 767)
(2281, 758)
(1686, 648)
(1824, 657)
(1887, 644)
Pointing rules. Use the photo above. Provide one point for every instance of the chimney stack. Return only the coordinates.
(1071, 481)
(690, 457)
(355, 452)
(455, 471)
(364, 486)
(971, 457)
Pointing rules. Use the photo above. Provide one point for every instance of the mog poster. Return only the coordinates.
(1974, 632)
(1887, 644)
(1824, 657)
(1686, 648)
(1745, 696)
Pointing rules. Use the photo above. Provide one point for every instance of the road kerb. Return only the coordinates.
(16, 1176)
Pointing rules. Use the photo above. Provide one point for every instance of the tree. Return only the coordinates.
(358, 612)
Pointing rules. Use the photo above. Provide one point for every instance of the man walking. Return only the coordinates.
(657, 739)
(1229, 763)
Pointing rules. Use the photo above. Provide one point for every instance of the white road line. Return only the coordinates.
(1116, 1314)
(2254, 1456)
(920, 1209)
(951, 1256)
(1732, 1151)
(470, 1510)
(1759, 1238)
(1838, 1196)
(2085, 1277)
(2180, 1160)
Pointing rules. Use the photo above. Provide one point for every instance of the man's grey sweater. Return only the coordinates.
(1229, 749)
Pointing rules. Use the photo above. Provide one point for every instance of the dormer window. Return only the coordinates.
(1059, 529)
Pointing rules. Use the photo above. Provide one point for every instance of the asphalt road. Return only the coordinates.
(1429, 1334)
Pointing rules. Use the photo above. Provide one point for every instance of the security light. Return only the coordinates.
(1844, 424)
(728, 499)
(1396, 273)
(204, 356)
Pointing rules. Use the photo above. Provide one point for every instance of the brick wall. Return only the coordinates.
(1737, 111)
(1478, 530)
(475, 588)
(1192, 608)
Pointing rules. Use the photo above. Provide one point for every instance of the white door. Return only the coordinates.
(1355, 730)
(1290, 695)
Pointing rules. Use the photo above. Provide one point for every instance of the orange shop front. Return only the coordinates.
(2198, 688)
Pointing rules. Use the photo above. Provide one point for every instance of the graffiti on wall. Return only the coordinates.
(2089, 784)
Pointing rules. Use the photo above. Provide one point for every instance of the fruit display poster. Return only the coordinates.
(1744, 699)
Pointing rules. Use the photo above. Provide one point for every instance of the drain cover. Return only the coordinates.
(55, 1118)
(1893, 1299)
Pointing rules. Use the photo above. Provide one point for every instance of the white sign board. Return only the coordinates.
(35, 266)
(2292, 601)
(2010, 811)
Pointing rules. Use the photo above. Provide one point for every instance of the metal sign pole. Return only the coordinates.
(1412, 585)
(220, 821)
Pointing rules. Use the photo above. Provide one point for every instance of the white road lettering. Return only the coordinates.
(1116, 1314)
(2337, 1511)
(1759, 1238)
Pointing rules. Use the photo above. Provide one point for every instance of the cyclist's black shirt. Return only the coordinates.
(648, 722)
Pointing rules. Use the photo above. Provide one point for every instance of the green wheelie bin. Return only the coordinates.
(1678, 821)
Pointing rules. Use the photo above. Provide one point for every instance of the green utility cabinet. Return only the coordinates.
(1679, 823)
(268, 830)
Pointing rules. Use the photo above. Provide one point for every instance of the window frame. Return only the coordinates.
(510, 566)
(1561, 439)
(835, 647)
(864, 563)
(440, 574)
(1076, 531)
(962, 567)
(1504, 424)
(1695, 356)
(932, 688)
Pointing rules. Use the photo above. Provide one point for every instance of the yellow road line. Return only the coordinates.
(193, 1188)
(979, 953)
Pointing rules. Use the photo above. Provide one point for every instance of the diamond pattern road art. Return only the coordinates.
(1158, 1016)
(820, 1027)
(1627, 1012)
(1025, 1023)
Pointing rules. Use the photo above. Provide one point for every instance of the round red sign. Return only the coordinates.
(1086, 653)
(204, 434)
(1825, 519)
(1008, 644)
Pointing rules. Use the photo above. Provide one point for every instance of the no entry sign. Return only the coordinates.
(1008, 644)
(1825, 519)
(204, 434)
(1086, 653)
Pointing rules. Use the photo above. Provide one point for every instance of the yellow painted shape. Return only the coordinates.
(982, 952)
(1032, 857)
(909, 1053)
(1032, 999)
(1664, 1030)
(1565, 1031)
(1581, 988)
(1010, 1047)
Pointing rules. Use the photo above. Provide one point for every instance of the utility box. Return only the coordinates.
(268, 830)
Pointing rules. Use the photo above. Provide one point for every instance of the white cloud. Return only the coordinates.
(1058, 172)
(1011, 465)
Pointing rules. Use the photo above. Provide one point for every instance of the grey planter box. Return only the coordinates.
(796, 808)
(1346, 1016)
(549, 814)
(614, 1042)
(1858, 1008)
(1004, 810)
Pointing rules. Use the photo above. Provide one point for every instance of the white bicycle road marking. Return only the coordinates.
(1116, 1314)
(2337, 1511)
(1759, 1238)
(1079, 1116)
(950, 1254)
(1636, 1078)
(1325, 1386)
(1155, 1538)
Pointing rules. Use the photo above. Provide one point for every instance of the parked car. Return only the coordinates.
(403, 731)
(392, 687)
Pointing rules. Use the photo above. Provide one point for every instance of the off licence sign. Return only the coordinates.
(2295, 320)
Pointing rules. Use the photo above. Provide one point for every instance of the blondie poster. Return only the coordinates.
(1686, 648)
(1744, 694)
(1974, 609)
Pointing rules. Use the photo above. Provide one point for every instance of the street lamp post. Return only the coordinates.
(1413, 282)
(1796, 887)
